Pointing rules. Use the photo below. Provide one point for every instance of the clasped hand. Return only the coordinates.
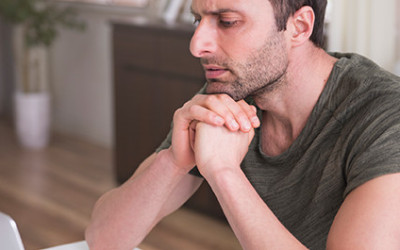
(212, 132)
(216, 148)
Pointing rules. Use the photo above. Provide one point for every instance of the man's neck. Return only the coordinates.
(287, 108)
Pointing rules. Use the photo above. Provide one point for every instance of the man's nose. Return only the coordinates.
(204, 40)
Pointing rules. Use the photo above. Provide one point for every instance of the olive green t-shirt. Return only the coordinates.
(351, 136)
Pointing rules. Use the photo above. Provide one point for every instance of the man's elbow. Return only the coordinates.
(98, 241)
(92, 238)
(99, 238)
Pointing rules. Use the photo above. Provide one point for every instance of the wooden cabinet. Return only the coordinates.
(154, 74)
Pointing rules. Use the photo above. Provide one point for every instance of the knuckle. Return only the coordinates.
(248, 109)
(211, 99)
(177, 113)
(244, 105)
(224, 98)
(210, 116)
(192, 109)
(184, 107)
(187, 104)
(241, 114)
(243, 102)
(196, 98)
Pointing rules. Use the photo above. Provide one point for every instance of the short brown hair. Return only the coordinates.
(283, 9)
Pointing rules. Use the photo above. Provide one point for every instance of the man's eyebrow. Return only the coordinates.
(214, 12)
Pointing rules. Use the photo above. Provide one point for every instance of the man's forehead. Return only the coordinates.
(215, 6)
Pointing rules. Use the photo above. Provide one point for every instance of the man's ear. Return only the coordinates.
(301, 25)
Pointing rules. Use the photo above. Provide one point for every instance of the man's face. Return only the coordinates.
(238, 46)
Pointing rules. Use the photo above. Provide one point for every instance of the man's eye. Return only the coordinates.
(228, 24)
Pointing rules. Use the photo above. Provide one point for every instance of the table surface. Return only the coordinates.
(80, 245)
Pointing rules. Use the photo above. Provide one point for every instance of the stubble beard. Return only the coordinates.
(263, 72)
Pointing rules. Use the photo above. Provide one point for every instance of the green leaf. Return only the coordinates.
(42, 19)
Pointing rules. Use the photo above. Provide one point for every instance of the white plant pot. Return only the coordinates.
(32, 119)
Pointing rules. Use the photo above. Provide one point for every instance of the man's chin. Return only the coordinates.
(215, 88)
(218, 91)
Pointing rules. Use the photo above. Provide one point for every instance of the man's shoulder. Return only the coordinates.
(361, 94)
(355, 67)
(356, 76)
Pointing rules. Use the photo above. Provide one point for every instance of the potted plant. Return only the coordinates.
(36, 26)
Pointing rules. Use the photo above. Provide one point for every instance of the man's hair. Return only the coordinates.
(283, 9)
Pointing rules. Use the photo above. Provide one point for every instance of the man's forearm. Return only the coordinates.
(130, 211)
(219, 153)
(253, 222)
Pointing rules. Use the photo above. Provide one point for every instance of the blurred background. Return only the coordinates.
(111, 83)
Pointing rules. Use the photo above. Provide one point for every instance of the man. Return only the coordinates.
(315, 165)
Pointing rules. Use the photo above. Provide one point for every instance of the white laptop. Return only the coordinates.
(10, 238)
(9, 235)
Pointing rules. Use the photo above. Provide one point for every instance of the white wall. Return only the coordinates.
(81, 67)
(397, 66)
(367, 27)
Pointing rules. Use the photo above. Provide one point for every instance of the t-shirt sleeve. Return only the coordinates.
(377, 153)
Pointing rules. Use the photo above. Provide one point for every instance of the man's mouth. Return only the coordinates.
(213, 72)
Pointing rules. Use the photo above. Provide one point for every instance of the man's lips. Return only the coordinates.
(213, 71)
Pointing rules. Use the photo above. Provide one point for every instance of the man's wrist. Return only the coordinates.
(166, 159)
(216, 171)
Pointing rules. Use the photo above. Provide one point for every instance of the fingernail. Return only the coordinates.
(234, 125)
(219, 120)
(255, 121)
(246, 125)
